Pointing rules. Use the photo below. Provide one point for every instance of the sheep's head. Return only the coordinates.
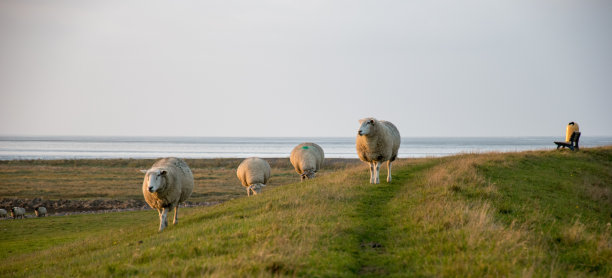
(308, 174)
(256, 188)
(366, 126)
(155, 179)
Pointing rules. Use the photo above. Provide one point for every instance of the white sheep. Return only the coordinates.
(168, 183)
(307, 158)
(3, 213)
(253, 173)
(17, 212)
(377, 142)
(40, 211)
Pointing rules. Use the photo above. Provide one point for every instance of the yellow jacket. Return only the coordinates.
(571, 127)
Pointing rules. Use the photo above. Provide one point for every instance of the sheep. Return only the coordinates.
(307, 158)
(18, 212)
(40, 211)
(3, 213)
(377, 142)
(166, 184)
(253, 173)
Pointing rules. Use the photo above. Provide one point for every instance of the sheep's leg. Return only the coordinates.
(372, 172)
(166, 211)
(389, 171)
(377, 174)
(175, 221)
(163, 219)
(248, 190)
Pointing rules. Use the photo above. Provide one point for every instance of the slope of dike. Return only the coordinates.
(544, 213)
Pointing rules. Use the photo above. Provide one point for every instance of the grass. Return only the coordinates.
(19, 239)
(519, 214)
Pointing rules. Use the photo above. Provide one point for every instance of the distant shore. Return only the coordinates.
(53, 148)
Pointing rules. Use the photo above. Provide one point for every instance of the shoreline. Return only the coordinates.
(67, 212)
(241, 147)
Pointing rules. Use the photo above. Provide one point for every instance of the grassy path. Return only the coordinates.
(372, 227)
(373, 219)
(372, 222)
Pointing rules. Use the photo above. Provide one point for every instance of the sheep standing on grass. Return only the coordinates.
(307, 158)
(168, 183)
(253, 173)
(3, 213)
(377, 142)
(40, 211)
(17, 212)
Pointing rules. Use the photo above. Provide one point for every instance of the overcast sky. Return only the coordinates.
(305, 68)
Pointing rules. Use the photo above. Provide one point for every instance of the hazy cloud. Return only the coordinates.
(304, 68)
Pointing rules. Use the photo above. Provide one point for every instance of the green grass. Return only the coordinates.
(520, 214)
(24, 237)
(567, 208)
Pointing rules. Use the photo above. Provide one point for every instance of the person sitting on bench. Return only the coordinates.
(572, 136)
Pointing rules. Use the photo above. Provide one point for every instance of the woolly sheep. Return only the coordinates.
(377, 142)
(168, 183)
(17, 212)
(253, 173)
(40, 211)
(307, 158)
(3, 213)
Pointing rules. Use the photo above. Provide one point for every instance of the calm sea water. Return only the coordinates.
(13, 148)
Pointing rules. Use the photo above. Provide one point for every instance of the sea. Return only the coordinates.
(80, 147)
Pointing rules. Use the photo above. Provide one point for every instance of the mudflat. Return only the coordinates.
(85, 185)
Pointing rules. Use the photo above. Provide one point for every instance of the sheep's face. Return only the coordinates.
(366, 126)
(156, 179)
(308, 175)
(256, 188)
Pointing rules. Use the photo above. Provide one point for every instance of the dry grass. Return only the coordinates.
(575, 233)
(596, 189)
(215, 179)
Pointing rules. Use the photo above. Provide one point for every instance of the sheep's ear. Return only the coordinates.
(144, 171)
(371, 121)
(163, 172)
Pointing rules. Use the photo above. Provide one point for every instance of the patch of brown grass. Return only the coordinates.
(121, 179)
(596, 189)
(575, 233)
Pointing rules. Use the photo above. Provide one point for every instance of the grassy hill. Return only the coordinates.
(519, 214)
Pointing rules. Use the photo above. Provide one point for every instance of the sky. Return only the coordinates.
(304, 68)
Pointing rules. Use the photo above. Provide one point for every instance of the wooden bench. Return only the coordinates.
(572, 144)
